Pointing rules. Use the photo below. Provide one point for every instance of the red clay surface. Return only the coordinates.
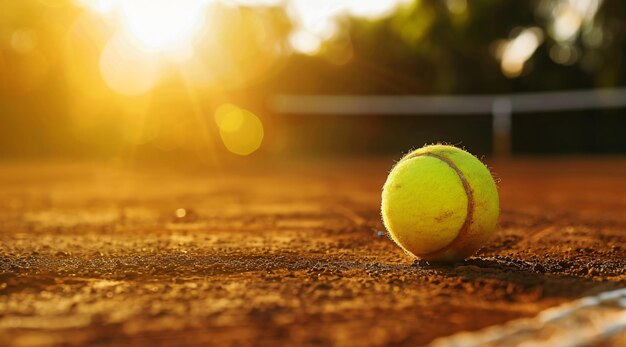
(290, 254)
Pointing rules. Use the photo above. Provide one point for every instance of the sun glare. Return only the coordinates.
(127, 69)
(157, 25)
(147, 36)
(163, 24)
(217, 43)
(169, 26)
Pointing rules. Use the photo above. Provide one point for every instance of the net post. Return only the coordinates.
(502, 114)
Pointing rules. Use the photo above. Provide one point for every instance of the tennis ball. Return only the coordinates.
(440, 203)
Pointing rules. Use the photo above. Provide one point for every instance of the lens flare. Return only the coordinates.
(127, 69)
(229, 118)
(24, 41)
(163, 24)
(240, 130)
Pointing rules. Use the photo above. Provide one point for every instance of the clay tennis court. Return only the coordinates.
(293, 254)
(209, 173)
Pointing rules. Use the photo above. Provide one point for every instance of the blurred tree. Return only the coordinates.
(450, 47)
(54, 100)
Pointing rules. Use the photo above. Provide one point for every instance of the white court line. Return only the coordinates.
(584, 322)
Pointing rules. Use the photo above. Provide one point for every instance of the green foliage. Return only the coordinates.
(426, 48)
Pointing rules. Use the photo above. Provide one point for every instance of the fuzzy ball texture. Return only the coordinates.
(440, 203)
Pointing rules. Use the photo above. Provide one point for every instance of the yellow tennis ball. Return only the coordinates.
(440, 203)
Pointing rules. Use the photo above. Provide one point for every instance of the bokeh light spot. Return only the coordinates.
(564, 54)
(305, 42)
(319, 19)
(514, 53)
(24, 40)
(240, 130)
(181, 212)
(126, 68)
(229, 118)
(567, 21)
(456, 6)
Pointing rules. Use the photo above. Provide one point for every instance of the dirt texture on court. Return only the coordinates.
(285, 254)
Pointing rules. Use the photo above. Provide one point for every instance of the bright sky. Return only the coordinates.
(166, 29)
(149, 32)
(165, 24)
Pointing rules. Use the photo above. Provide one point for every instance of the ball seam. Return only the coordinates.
(470, 207)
